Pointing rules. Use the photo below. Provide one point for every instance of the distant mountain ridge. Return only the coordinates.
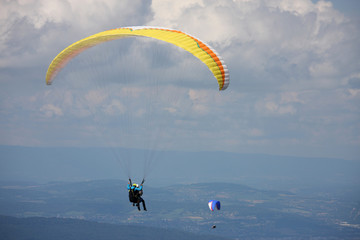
(173, 167)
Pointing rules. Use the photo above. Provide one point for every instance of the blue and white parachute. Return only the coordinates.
(214, 204)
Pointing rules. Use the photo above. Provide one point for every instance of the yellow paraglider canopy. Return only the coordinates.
(191, 44)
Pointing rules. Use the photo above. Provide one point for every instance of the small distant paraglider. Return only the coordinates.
(214, 204)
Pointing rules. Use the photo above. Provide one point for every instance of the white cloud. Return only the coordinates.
(205, 18)
(281, 104)
(255, 132)
(272, 107)
(170, 109)
(205, 101)
(294, 7)
(39, 29)
(323, 69)
(115, 108)
(50, 110)
(290, 97)
(95, 97)
(354, 92)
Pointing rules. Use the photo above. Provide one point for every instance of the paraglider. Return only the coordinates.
(135, 193)
(191, 44)
(214, 205)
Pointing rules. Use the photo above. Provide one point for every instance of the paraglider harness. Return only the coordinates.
(135, 195)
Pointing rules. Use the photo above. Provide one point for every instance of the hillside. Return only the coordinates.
(38, 228)
(246, 212)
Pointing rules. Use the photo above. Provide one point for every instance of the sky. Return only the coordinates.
(294, 77)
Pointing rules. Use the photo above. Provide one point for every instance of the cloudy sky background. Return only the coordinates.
(294, 76)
